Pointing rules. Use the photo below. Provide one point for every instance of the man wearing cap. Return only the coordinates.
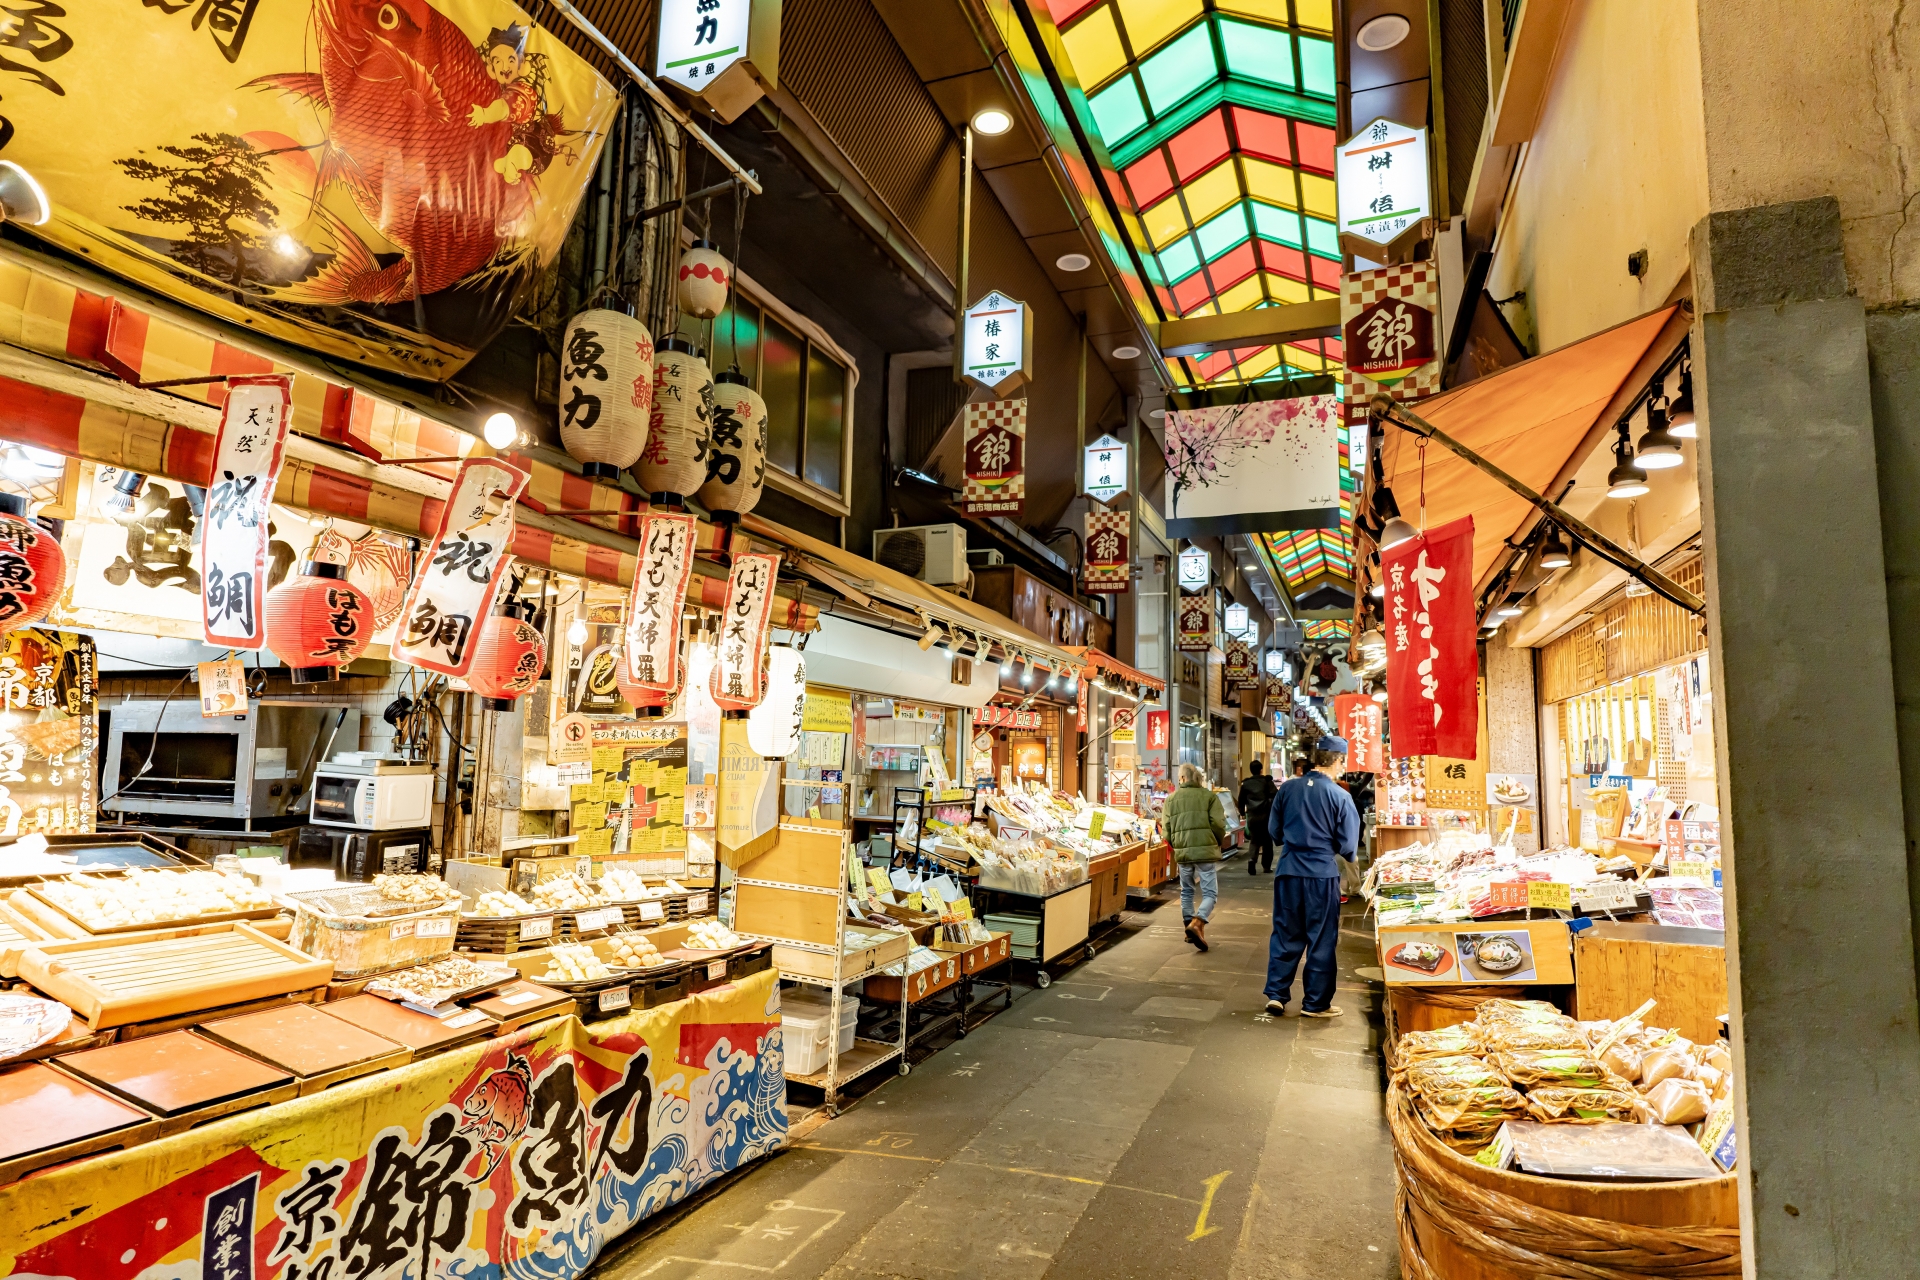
(1314, 824)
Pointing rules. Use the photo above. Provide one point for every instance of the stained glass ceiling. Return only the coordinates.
(1219, 115)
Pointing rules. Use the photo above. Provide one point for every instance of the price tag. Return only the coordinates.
(402, 930)
(531, 930)
(615, 998)
(1507, 895)
(607, 918)
(1550, 895)
(1097, 824)
(1691, 868)
(441, 927)
(1605, 895)
(519, 998)
(696, 904)
(653, 911)
(716, 970)
(583, 867)
(466, 1019)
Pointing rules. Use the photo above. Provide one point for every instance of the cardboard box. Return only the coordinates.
(1448, 955)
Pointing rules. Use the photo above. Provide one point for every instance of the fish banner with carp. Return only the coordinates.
(518, 1158)
(380, 180)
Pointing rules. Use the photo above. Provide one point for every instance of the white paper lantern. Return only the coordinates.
(736, 447)
(675, 461)
(606, 391)
(773, 727)
(705, 277)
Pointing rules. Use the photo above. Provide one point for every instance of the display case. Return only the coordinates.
(884, 769)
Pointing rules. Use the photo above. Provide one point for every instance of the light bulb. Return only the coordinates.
(992, 122)
(501, 431)
(577, 632)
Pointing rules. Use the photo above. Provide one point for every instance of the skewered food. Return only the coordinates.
(567, 893)
(502, 902)
(150, 897)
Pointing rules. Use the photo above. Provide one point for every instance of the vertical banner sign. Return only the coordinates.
(1109, 551)
(233, 537)
(453, 591)
(659, 597)
(1389, 325)
(1358, 718)
(1432, 663)
(1159, 725)
(739, 679)
(995, 441)
(1240, 669)
(1196, 624)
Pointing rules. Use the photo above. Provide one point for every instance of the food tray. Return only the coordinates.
(111, 851)
(504, 935)
(112, 982)
(17, 933)
(357, 900)
(674, 908)
(255, 913)
(498, 975)
(361, 946)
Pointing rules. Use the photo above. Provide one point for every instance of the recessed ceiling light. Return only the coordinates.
(1383, 33)
(992, 122)
(1128, 352)
(1157, 413)
(1073, 262)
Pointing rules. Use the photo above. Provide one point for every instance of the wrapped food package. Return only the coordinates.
(1441, 1073)
(1442, 1042)
(1709, 1077)
(1715, 1055)
(1584, 1106)
(1664, 1064)
(1470, 1108)
(1493, 1012)
(1677, 1101)
(1623, 1060)
(1572, 1069)
(1506, 1037)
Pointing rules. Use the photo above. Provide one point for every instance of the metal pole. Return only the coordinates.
(966, 249)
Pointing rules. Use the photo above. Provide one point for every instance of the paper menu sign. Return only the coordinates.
(1549, 895)
(877, 877)
(453, 591)
(1605, 895)
(247, 453)
(223, 688)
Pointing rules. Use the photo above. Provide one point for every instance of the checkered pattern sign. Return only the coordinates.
(1416, 283)
(1109, 562)
(995, 442)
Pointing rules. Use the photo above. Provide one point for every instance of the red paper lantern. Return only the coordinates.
(318, 622)
(648, 702)
(507, 661)
(32, 568)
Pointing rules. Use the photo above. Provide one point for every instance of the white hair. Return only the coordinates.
(1190, 776)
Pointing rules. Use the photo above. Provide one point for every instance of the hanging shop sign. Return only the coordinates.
(736, 448)
(1385, 196)
(1196, 624)
(1279, 695)
(49, 732)
(997, 342)
(318, 622)
(739, 679)
(653, 610)
(675, 461)
(1240, 671)
(996, 717)
(1109, 567)
(454, 589)
(1432, 661)
(1389, 325)
(1106, 469)
(606, 391)
(247, 453)
(1253, 468)
(1159, 729)
(508, 659)
(724, 52)
(774, 727)
(398, 227)
(1237, 618)
(1356, 717)
(994, 440)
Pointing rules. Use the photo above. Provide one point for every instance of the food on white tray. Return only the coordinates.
(502, 902)
(449, 973)
(711, 935)
(623, 884)
(150, 897)
(567, 893)
(635, 951)
(574, 962)
(426, 891)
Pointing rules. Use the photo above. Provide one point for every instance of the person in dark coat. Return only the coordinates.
(1315, 824)
(1255, 800)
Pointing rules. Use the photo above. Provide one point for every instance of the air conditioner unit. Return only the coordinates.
(986, 558)
(935, 553)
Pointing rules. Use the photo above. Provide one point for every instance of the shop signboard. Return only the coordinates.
(247, 453)
(1124, 734)
(994, 442)
(1105, 469)
(1109, 567)
(1158, 726)
(659, 597)
(997, 345)
(1279, 695)
(1240, 665)
(1357, 717)
(453, 592)
(739, 679)
(1389, 325)
(1432, 660)
(1196, 624)
(1266, 467)
(724, 52)
(49, 732)
(997, 717)
(223, 688)
(1196, 569)
(393, 180)
(1385, 194)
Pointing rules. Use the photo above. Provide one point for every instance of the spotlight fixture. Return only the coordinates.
(1625, 480)
(1554, 552)
(501, 431)
(1377, 590)
(1659, 448)
(1512, 607)
(1396, 532)
(1379, 695)
(1026, 676)
(1680, 419)
(1383, 33)
(1127, 352)
(1156, 413)
(21, 197)
(1073, 262)
(1006, 666)
(928, 636)
(992, 121)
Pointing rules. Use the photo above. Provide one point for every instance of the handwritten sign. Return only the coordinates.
(1507, 895)
(1549, 895)
(247, 453)
(659, 598)
(223, 688)
(454, 589)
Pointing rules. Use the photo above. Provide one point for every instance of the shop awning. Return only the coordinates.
(1537, 420)
(1098, 662)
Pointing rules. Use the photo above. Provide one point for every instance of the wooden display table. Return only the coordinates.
(1150, 868)
(1388, 839)
(1108, 876)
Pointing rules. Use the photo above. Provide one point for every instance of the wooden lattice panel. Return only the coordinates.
(115, 981)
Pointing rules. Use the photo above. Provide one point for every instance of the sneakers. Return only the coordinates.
(1277, 1008)
(1331, 1011)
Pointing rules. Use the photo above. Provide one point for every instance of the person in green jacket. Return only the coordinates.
(1196, 822)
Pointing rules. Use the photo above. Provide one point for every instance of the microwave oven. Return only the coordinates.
(161, 756)
(372, 795)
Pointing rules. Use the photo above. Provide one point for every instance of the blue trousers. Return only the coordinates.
(1206, 877)
(1306, 921)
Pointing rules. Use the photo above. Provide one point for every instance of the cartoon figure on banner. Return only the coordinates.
(496, 1111)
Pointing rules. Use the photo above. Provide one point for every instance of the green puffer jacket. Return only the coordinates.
(1195, 822)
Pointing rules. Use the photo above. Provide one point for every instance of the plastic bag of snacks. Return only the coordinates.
(1442, 1042)
(1440, 1073)
(1554, 1104)
(1677, 1101)
(1571, 1069)
(1507, 1037)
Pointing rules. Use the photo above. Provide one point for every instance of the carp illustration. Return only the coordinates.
(498, 1109)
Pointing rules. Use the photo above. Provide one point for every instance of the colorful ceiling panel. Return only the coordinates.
(1219, 115)
(1309, 558)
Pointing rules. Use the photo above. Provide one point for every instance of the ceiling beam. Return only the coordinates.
(1267, 326)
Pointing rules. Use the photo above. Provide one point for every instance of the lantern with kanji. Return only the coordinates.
(704, 278)
(675, 461)
(648, 703)
(736, 448)
(606, 391)
(318, 622)
(507, 661)
(773, 727)
(32, 567)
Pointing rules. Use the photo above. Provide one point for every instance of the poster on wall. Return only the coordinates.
(1253, 468)
(397, 228)
(1432, 660)
(49, 732)
(636, 803)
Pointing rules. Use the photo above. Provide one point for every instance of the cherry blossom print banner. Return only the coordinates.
(1433, 664)
(1253, 468)
(453, 591)
(659, 596)
(247, 454)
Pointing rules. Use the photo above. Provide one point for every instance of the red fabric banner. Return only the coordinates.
(1357, 716)
(1432, 662)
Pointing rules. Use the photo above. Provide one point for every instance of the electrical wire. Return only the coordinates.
(153, 746)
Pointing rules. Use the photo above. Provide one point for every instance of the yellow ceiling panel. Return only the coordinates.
(1319, 195)
(1165, 222)
(1151, 21)
(1206, 308)
(1093, 46)
(1285, 290)
(1272, 10)
(1212, 191)
(1243, 295)
(1315, 15)
(1270, 182)
(1260, 363)
(1301, 358)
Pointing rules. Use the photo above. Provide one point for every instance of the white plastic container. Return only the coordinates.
(804, 1017)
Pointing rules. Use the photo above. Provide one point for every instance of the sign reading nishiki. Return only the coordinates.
(659, 597)
(1196, 624)
(1432, 662)
(1357, 717)
(233, 538)
(454, 588)
(1109, 551)
(739, 679)
(994, 438)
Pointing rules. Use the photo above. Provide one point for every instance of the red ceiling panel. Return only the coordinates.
(1264, 135)
(1200, 146)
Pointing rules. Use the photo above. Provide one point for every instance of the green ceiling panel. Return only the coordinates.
(1224, 232)
(1276, 223)
(1316, 66)
(1179, 260)
(1117, 109)
(1181, 69)
(1258, 53)
(1323, 239)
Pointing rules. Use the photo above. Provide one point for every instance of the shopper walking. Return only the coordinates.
(1315, 824)
(1256, 800)
(1196, 822)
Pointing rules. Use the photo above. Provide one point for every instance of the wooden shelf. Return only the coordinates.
(862, 1058)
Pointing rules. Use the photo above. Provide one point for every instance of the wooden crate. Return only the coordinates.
(802, 855)
(977, 957)
(935, 978)
(504, 935)
(1614, 975)
(37, 893)
(114, 981)
(1151, 868)
(1107, 874)
(814, 964)
(17, 933)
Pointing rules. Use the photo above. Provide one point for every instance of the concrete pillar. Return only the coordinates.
(1513, 728)
(1826, 1034)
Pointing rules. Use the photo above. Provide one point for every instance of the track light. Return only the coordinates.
(21, 197)
(1625, 480)
(1554, 552)
(1006, 666)
(1396, 532)
(1680, 419)
(1026, 676)
(1378, 590)
(1512, 607)
(927, 637)
(1658, 449)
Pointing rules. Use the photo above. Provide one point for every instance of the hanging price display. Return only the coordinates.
(454, 588)
(233, 537)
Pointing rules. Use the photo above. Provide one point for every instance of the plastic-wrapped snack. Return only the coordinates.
(1558, 1105)
(1571, 1069)
(1664, 1064)
(1439, 1073)
(1715, 1055)
(1442, 1042)
(1678, 1101)
(1475, 1107)
(1508, 1012)
(1505, 1037)
(1623, 1060)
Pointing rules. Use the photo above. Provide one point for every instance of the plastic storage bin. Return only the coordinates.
(804, 1022)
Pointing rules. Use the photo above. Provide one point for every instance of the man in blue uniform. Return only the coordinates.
(1313, 820)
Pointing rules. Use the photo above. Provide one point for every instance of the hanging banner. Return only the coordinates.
(994, 438)
(1390, 330)
(1196, 624)
(1357, 719)
(739, 679)
(1109, 566)
(233, 537)
(380, 183)
(749, 815)
(1432, 661)
(49, 732)
(1279, 697)
(659, 597)
(1241, 671)
(1159, 724)
(454, 589)
(1253, 468)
